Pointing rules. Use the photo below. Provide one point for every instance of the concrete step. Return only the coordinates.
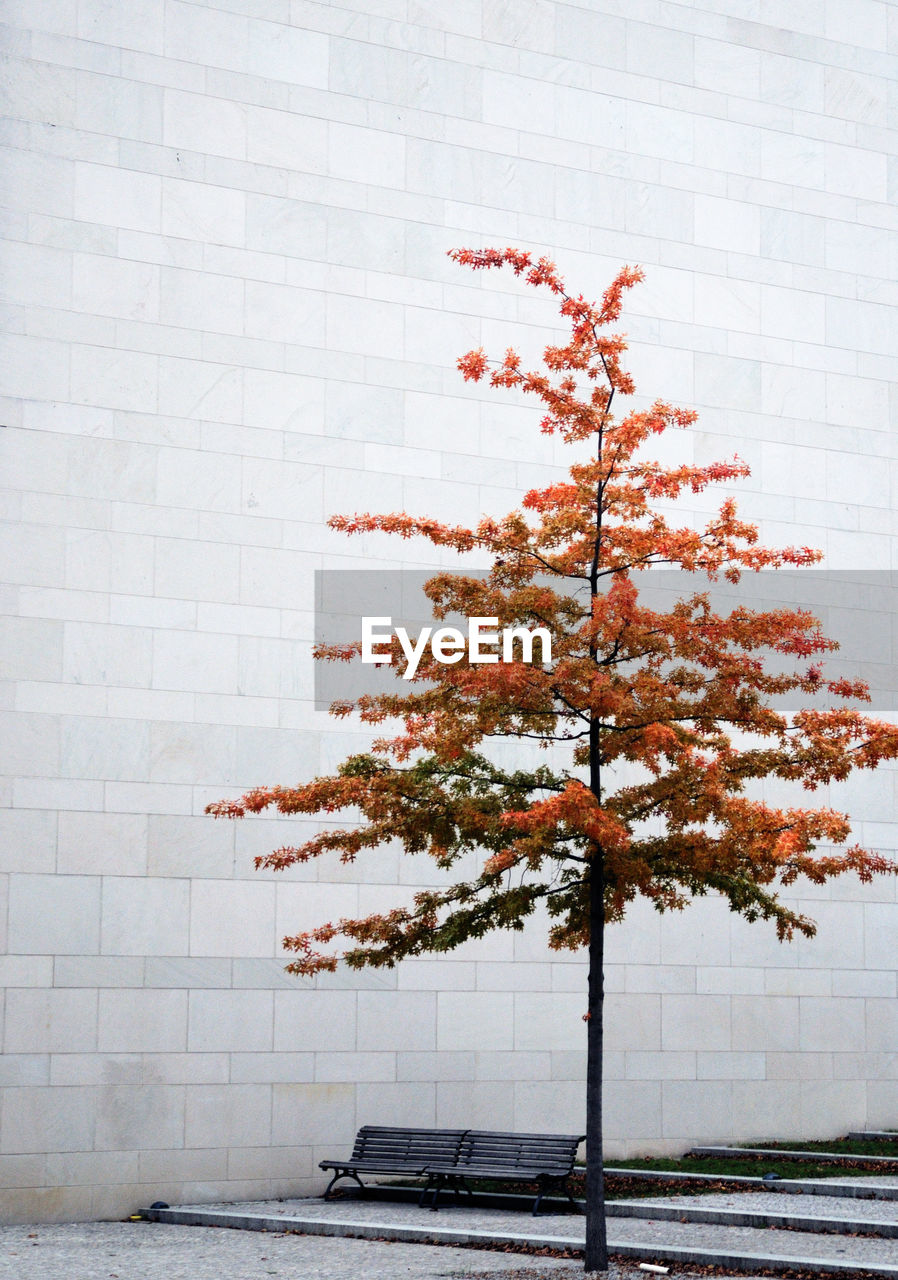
(866, 1135)
(739, 1248)
(750, 1217)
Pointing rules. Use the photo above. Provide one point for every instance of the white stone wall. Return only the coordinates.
(228, 313)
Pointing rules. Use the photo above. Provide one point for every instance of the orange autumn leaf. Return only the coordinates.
(684, 698)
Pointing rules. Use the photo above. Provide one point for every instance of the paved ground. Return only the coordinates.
(154, 1251)
(640, 1239)
(161, 1251)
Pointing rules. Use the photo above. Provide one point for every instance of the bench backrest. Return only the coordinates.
(553, 1152)
(415, 1147)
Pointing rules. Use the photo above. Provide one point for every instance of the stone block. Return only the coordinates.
(263, 974)
(364, 1068)
(189, 846)
(398, 1020)
(232, 918)
(31, 649)
(881, 1025)
(198, 389)
(402, 1103)
(187, 971)
(47, 1204)
(483, 1105)
(555, 1106)
(645, 979)
(197, 211)
(144, 917)
(307, 1021)
(200, 300)
(50, 914)
(700, 1107)
(653, 1065)
(274, 1068)
(858, 982)
(696, 1022)
(831, 1025)
(24, 1069)
(50, 1021)
(497, 977)
(228, 1115)
(142, 1021)
(193, 122)
(26, 971)
(98, 971)
(112, 287)
(183, 660)
(304, 1114)
(185, 1068)
(880, 930)
(44, 1119)
(831, 1107)
(95, 1068)
(762, 1109)
(547, 1021)
(135, 1118)
(465, 1020)
(731, 1066)
(27, 840)
(632, 1022)
(765, 1024)
(426, 1067)
(734, 981)
(182, 1165)
(148, 797)
(882, 1099)
(102, 843)
(225, 1021)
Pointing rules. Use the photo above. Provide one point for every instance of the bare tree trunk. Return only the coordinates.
(596, 1238)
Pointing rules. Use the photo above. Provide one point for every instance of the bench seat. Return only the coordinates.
(449, 1158)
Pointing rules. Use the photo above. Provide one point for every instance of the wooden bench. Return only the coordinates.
(386, 1149)
(546, 1159)
(450, 1158)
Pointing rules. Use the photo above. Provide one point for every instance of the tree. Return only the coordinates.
(658, 725)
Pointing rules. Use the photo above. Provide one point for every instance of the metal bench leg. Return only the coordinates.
(343, 1173)
(577, 1207)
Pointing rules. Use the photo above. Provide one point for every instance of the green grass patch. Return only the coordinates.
(755, 1166)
